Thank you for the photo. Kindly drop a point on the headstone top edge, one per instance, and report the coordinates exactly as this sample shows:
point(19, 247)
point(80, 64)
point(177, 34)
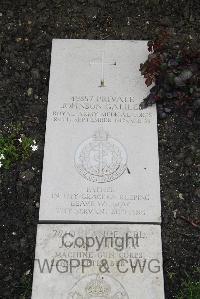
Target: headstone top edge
point(65, 40)
point(100, 224)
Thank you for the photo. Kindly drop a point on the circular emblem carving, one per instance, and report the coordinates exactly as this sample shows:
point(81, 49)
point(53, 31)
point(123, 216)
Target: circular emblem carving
point(101, 158)
point(98, 287)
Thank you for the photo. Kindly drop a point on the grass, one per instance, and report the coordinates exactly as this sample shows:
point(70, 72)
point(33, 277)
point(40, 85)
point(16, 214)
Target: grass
point(15, 146)
point(25, 287)
point(190, 288)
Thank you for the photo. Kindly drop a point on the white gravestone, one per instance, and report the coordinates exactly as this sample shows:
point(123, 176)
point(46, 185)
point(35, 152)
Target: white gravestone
point(97, 261)
point(101, 154)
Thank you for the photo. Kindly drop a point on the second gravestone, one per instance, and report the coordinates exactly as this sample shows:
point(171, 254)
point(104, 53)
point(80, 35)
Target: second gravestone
point(98, 261)
point(101, 155)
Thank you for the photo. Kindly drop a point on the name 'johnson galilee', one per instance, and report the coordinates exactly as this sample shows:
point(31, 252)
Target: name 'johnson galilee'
point(101, 102)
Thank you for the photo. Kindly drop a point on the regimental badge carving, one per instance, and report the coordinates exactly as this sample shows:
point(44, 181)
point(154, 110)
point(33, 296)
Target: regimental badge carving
point(101, 158)
point(98, 287)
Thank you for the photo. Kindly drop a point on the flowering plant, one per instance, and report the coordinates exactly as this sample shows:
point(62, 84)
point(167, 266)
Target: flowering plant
point(15, 146)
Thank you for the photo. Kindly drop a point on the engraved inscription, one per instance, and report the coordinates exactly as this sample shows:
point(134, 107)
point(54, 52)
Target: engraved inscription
point(101, 158)
point(98, 286)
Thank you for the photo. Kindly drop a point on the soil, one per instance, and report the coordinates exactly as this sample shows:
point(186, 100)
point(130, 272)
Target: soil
point(26, 32)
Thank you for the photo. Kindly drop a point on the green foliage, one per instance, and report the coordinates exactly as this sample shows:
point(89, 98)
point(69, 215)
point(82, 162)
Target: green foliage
point(15, 146)
point(25, 286)
point(190, 290)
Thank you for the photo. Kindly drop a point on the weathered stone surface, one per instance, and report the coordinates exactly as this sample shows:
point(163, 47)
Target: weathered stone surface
point(101, 156)
point(115, 261)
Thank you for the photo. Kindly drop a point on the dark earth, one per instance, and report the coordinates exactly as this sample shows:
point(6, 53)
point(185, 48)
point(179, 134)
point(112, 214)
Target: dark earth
point(26, 32)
